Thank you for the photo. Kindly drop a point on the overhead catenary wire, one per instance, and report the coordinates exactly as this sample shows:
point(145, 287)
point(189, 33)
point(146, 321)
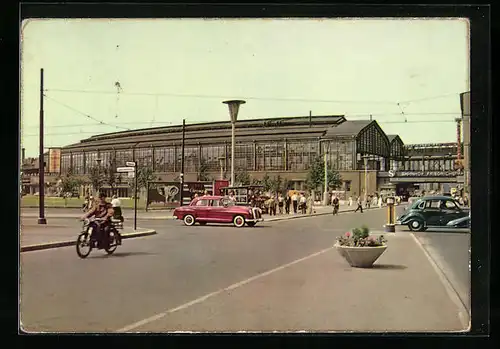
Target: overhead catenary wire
point(84, 114)
point(157, 94)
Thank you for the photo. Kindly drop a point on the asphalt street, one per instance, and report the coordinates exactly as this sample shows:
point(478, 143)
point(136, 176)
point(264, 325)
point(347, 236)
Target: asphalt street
point(62, 293)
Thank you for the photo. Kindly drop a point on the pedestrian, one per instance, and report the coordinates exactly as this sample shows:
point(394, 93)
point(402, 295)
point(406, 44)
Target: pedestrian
point(302, 203)
point(288, 202)
point(273, 205)
point(380, 202)
point(309, 204)
point(295, 202)
point(281, 203)
point(85, 203)
point(350, 201)
point(360, 204)
point(335, 204)
point(117, 208)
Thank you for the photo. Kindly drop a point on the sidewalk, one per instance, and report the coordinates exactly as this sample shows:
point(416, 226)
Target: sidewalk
point(168, 214)
point(35, 237)
point(322, 293)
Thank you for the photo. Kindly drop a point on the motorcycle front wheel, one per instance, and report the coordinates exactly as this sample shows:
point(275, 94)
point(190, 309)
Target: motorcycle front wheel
point(83, 245)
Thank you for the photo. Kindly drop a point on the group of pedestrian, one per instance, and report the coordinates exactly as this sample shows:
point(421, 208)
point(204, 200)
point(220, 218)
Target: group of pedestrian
point(290, 203)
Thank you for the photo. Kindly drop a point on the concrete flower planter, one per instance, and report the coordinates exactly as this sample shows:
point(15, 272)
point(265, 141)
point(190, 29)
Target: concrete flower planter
point(360, 257)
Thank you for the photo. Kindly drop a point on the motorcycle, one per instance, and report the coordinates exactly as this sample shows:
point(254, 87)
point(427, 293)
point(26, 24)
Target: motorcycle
point(86, 241)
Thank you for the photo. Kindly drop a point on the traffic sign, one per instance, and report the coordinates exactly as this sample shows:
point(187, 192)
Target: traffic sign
point(125, 169)
point(130, 163)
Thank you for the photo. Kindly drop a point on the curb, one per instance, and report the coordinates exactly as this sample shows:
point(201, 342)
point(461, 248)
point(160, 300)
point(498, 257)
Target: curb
point(463, 312)
point(49, 245)
point(314, 215)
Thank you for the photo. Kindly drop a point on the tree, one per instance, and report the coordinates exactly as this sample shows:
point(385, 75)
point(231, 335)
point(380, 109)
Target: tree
point(69, 183)
point(316, 175)
point(275, 184)
point(97, 177)
point(110, 174)
point(242, 176)
point(203, 172)
point(266, 182)
point(145, 174)
point(285, 186)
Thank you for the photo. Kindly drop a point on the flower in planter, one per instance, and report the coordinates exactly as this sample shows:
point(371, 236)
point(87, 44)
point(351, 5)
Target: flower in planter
point(360, 237)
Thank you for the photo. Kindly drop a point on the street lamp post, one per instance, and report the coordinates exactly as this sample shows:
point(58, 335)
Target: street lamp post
point(234, 106)
point(41, 162)
point(98, 175)
point(222, 160)
point(365, 159)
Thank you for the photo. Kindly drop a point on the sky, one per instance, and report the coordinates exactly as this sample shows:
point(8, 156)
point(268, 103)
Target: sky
point(104, 76)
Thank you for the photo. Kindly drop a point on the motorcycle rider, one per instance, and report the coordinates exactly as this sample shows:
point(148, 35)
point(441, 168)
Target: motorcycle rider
point(102, 210)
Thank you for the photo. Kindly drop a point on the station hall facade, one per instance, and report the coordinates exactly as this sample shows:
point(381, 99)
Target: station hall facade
point(284, 147)
point(274, 146)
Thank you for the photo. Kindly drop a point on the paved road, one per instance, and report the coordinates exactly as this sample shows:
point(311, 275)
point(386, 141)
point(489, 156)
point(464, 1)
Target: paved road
point(60, 292)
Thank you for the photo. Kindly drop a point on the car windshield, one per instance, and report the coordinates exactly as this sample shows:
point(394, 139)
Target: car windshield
point(417, 203)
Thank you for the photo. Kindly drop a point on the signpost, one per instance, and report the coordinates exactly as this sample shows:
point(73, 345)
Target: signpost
point(131, 169)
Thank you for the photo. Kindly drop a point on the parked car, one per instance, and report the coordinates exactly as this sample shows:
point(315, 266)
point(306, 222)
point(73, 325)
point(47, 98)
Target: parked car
point(431, 211)
point(218, 209)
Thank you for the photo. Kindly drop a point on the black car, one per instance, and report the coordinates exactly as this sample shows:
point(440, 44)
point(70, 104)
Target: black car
point(431, 211)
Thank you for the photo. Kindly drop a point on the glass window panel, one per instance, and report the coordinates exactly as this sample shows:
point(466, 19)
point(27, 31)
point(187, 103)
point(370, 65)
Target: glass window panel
point(190, 158)
point(122, 156)
point(243, 156)
point(144, 157)
point(211, 154)
point(65, 162)
point(105, 157)
point(78, 163)
point(90, 160)
point(301, 154)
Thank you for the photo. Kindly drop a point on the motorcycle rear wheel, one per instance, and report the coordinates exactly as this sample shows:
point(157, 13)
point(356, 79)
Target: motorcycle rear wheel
point(113, 242)
point(83, 241)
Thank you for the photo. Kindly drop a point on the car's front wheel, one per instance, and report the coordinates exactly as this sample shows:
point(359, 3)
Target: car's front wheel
point(416, 225)
point(189, 220)
point(238, 221)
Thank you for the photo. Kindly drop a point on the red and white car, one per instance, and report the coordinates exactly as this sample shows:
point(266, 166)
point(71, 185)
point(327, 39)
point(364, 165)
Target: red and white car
point(218, 209)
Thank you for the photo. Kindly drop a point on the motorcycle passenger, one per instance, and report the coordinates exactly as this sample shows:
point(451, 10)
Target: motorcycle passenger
point(103, 210)
point(116, 203)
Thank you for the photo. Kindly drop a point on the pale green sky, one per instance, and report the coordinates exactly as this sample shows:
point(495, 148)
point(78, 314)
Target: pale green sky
point(355, 67)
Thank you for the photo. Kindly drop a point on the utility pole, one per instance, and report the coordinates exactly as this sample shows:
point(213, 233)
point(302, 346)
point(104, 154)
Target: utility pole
point(41, 161)
point(325, 194)
point(182, 161)
point(135, 194)
point(310, 118)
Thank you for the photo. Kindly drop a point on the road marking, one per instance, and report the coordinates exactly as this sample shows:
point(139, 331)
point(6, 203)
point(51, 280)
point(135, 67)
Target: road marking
point(463, 313)
point(210, 295)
